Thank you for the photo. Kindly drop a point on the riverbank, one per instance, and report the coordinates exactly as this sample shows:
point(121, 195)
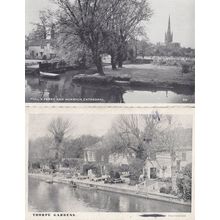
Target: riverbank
point(115, 188)
point(145, 75)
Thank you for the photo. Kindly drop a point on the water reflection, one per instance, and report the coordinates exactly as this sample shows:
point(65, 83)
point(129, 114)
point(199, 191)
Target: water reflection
point(44, 197)
point(156, 97)
point(63, 90)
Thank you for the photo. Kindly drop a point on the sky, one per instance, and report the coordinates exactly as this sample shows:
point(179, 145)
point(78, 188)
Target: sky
point(82, 124)
point(182, 14)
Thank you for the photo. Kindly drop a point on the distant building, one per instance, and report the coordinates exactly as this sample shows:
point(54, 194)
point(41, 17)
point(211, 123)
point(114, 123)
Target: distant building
point(41, 48)
point(168, 34)
point(169, 37)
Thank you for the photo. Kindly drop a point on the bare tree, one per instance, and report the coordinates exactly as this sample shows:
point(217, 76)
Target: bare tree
point(134, 134)
point(127, 24)
point(59, 128)
point(170, 140)
point(87, 20)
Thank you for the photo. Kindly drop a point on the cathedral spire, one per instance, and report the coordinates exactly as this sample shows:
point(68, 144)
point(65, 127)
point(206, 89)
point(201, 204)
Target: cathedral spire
point(168, 34)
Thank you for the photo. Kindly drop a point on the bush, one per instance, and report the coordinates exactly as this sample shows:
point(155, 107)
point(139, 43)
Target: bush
point(184, 183)
point(187, 67)
point(166, 190)
point(114, 174)
point(136, 168)
point(162, 190)
point(36, 165)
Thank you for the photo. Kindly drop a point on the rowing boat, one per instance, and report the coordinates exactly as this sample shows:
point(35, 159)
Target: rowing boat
point(49, 75)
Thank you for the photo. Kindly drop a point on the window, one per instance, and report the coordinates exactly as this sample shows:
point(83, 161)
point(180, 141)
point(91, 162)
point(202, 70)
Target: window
point(91, 156)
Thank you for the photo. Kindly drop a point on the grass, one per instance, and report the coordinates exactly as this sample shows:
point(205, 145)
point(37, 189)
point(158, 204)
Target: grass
point(153, 74)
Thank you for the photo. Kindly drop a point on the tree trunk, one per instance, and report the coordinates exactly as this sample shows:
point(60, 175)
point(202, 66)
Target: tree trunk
point(98, 62)
point(120, 57)
point(120, 62)
point(113, 61)
point(173, 172)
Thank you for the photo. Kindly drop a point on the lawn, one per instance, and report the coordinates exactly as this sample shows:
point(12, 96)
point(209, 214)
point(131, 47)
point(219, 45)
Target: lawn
point(153, 74)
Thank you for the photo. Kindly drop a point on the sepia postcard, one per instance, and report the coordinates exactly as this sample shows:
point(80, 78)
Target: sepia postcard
point(112, 163)
point(109, 51)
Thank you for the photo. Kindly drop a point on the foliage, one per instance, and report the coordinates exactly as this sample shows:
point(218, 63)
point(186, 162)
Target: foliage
point(184, 183)
point(100, 26)
point(72, 163)
point(73, 148)
point(143, 47)
point(36, 165)
point(125, 25)
point(39, 148)
point(70, 49)
point(136, 168)
point(165, 190)
point(118, 168)
point(187, 67)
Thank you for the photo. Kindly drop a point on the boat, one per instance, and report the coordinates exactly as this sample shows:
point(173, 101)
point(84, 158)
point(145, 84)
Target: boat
point(49, 75)
point(122, 82)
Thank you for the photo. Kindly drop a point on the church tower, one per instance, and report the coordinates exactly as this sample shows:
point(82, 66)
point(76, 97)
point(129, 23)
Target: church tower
point(168, 34)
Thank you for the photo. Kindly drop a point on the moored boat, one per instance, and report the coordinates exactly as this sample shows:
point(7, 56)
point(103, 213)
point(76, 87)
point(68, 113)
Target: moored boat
point(49, 75)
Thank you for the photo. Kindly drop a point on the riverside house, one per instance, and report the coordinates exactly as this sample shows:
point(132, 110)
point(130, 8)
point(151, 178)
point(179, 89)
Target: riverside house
point(98, 159)
point(40, 49)
point(95, 159)
point(161, 166)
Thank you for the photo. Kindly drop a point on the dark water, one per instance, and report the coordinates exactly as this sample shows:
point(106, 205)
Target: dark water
point(63, 90)
point(44, 197)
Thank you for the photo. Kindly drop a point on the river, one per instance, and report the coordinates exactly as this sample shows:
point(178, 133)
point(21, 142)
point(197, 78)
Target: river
point(63, 90)
point(57, 197)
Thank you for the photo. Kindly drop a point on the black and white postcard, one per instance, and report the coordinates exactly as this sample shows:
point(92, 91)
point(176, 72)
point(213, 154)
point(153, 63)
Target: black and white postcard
point(87, 163)
point(109, 51)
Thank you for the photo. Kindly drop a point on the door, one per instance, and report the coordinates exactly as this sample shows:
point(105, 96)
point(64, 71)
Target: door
point(153, 173)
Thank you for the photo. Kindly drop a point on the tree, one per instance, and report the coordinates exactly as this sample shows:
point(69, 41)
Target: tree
point(127, 137)
point(39, 148)
point(41, 28)
point(70, 49)
point(126, 25)
point(131, 17)
point(171, 139)
point(184, 183)
point(74, 148)
point(143, 45)
point(59, 128)
point(86, 19)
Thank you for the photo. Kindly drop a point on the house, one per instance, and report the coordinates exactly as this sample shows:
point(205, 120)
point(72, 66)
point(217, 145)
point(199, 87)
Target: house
point(95, 159)
point(98, 158)
point(161, 166)
point(95, 153)
point(118, 159)
point(41, 48)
